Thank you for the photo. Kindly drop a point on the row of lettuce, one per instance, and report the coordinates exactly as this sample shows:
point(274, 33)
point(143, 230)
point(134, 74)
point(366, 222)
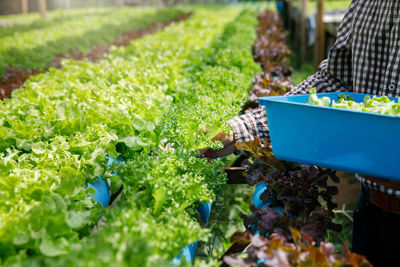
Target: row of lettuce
point(33, 46)
point(144, 102)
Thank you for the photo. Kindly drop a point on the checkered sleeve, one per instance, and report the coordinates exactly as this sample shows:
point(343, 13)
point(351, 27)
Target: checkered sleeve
point(250, 125)
point(323, 82)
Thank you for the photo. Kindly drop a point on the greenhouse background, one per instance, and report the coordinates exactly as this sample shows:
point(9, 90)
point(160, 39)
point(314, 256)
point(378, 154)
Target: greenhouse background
point(8, 7)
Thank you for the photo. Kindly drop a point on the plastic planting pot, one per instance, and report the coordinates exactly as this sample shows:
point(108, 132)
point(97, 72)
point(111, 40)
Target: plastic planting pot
point(110, 161)
point(187, 253)
point(102, 194)
point(354, 141)
point(101, 187)
point(280, 6)
point(204, 210)
point(258, 203)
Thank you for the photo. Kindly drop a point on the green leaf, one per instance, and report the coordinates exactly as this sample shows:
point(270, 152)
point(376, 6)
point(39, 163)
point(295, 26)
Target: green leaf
point(38, 148)
point(138, 123)
point(112, 152)
point(130, 141)
point(78, 219)
point(21, 238)
point(91, 190)
point(71, 181)
point(160, 198)
point(51, 249)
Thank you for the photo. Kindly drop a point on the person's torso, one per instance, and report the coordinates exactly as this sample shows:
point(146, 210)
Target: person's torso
point(375, 47)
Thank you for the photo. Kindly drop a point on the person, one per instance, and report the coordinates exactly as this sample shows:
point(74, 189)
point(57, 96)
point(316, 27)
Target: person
point(364, 59)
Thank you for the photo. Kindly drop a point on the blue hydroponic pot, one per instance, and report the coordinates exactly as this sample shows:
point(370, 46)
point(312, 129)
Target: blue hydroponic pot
point(280, 5)
point(188, 254)
point(110, 161)
point(204, 210)
point(340, 139)
point(258, 203)
point(189, 251)
point(102, 194)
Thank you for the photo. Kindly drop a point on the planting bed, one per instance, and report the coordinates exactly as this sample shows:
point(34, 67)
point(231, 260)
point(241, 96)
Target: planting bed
point(18, 64)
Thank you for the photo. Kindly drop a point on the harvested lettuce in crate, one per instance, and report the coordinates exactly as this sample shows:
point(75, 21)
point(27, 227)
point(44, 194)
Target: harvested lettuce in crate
point(376, 104)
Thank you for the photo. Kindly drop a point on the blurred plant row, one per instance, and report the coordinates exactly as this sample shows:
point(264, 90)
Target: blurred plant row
point(34, 46)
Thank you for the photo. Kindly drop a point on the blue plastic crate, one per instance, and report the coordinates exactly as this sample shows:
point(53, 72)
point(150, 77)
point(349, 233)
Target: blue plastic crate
point(358, 142)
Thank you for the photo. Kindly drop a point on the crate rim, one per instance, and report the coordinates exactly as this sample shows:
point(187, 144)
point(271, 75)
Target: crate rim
point(284, 100)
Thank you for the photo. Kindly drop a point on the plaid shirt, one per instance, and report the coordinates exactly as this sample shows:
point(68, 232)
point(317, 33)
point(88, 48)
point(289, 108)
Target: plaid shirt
point(364, 59)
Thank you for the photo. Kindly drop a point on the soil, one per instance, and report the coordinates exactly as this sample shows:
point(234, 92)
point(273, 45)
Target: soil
point(15, 78)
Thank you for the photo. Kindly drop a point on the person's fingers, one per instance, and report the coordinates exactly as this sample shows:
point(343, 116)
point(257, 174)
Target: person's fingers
point(212, 154)
point(228, 141)
point(203, 151)
point(220, 136)
point(226, 150)
point(224, 139)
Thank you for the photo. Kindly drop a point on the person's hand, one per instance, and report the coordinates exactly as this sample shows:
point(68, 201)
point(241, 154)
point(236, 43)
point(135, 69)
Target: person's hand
point(228, 141)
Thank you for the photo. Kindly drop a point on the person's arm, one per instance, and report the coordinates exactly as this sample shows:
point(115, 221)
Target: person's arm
point(334, 74)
